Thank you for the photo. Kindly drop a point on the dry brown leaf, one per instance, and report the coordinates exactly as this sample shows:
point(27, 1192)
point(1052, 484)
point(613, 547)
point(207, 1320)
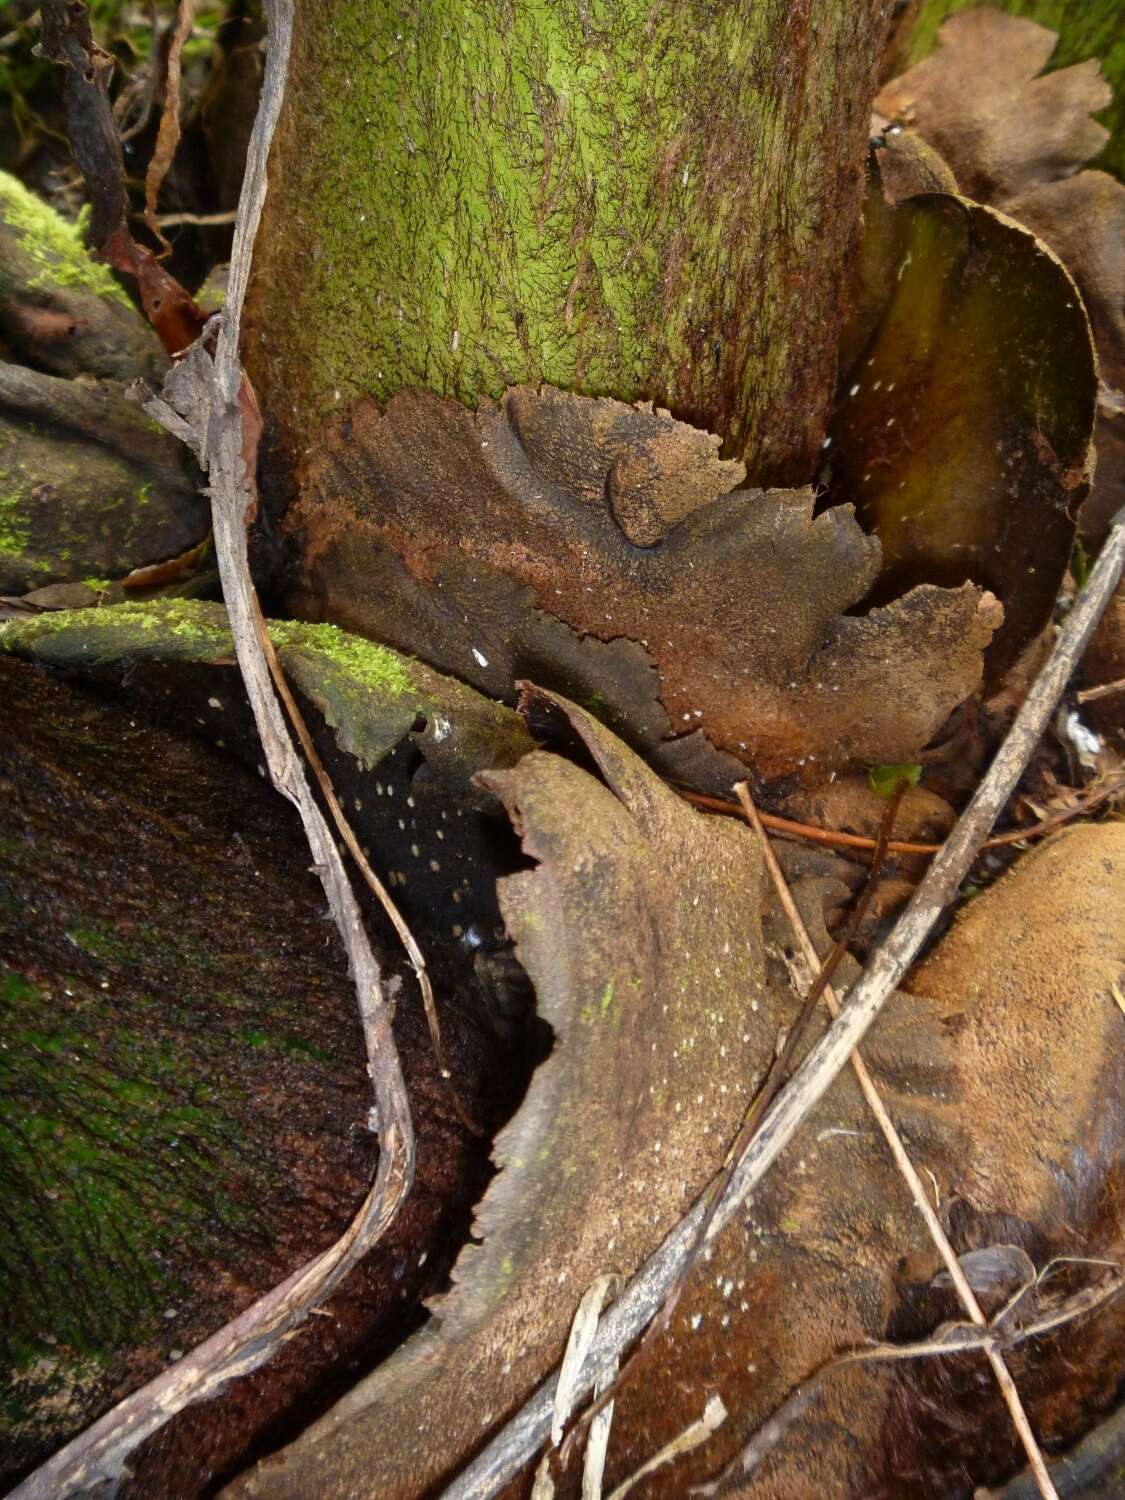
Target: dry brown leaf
point(492, 545)
point(830, 1251)
point(1082, 218)
point(1017, 141)
point(978, 100)
point(963, 431)
point(1034, 1062)
point(640, 927)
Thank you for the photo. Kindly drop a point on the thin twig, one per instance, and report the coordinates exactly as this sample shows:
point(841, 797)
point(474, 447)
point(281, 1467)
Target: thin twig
point(219, 419)
point(1103, 690)
point(582, 1329)
point(902, 1159)
point(714, 1415)
point(202, 221)
point(520, 1438)
point(379, 890)
point(1086, 802)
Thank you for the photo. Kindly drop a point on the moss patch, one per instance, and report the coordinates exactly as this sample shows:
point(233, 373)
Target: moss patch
point(53, 244)
point(638, 201)
point(15, 532)
point(69, 1141)
point(368, 664)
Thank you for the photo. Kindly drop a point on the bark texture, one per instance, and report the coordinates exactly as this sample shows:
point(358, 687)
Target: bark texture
point(638, 200)
point(182, 1083)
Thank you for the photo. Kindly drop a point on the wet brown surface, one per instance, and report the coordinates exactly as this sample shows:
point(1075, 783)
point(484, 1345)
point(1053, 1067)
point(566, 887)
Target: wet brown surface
point(155, 897)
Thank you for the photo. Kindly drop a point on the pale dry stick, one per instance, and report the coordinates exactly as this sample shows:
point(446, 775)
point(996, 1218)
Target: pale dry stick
point(211, 393)
point(379, 890)
point(202, 221)
point(699, 1431)
point(582, 1329)
point(520, 1438)
point(902, 1160)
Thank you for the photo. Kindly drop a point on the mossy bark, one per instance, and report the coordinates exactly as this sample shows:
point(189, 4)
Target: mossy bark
point(639, 200)
point(182, 1078)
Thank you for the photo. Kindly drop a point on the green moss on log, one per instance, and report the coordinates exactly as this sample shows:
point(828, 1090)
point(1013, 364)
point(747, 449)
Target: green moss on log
point(54, 244)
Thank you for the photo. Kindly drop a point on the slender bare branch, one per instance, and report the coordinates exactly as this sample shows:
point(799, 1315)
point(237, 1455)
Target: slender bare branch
point(1103, 690)
point(1086, 801)
point(376, 886)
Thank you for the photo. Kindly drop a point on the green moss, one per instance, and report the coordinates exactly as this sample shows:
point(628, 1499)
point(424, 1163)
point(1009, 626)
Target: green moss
point(14, 986)
point(591, 1013)
point(87, 1101)
point(15, 532)
point(564, 193)
point(203, 632)
point(366, 663)
point(295, 1046)
point(54, 245)
point(99, 941)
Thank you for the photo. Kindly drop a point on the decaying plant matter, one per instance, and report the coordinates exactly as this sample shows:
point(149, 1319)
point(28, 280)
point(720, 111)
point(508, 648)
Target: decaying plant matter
point(573, 597)
point(592, 542)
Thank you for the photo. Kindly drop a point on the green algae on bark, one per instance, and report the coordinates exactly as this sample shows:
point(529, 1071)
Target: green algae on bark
point(88, 483)
point(370, 695)
point(401, 742)
point(640, 201)
point(59, 308)
point(157, 1168)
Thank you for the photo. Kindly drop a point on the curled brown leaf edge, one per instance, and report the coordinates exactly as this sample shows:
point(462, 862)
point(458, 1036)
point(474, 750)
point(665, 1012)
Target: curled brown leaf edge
point(519, 1439)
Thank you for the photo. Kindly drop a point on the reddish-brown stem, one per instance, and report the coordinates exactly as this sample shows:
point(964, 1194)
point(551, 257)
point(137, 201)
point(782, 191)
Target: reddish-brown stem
point(860, 841)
